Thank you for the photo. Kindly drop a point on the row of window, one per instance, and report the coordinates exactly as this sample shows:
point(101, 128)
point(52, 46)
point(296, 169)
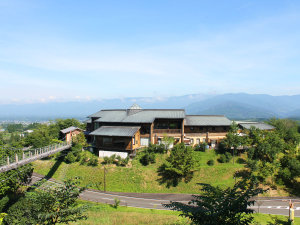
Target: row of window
point(198, 141)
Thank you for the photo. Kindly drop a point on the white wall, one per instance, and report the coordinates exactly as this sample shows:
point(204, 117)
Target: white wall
point(110, 153)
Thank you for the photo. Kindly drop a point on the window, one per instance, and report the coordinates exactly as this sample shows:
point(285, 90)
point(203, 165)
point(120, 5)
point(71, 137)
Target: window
point(107, 140)
point(192, 128)
point(198, 141)
point(213, 128)
point(192, 141)
point(133, 140)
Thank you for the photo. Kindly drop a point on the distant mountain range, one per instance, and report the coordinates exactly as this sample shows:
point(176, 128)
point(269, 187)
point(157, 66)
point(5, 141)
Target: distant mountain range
point(235, 106)
point(248, 106)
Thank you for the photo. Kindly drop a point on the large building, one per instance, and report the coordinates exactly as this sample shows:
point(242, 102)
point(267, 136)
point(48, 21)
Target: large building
point(125, 130)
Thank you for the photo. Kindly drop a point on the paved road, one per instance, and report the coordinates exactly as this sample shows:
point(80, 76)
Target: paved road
point(278, 206)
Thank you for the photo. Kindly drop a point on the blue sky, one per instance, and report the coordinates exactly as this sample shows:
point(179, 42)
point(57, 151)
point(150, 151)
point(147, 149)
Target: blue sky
point(59, 50)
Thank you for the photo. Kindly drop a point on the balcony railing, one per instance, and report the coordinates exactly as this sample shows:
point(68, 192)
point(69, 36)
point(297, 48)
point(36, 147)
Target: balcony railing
point(166, 131)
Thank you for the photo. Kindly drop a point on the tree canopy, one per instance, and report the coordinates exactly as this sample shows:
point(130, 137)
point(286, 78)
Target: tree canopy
point(220, 206)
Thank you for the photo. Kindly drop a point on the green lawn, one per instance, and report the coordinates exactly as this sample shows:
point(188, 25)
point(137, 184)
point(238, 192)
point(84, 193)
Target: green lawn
point(99, 213)
point(139, 178)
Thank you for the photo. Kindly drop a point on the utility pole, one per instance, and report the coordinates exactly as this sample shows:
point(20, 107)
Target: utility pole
point(233, 155)
point(104, 179)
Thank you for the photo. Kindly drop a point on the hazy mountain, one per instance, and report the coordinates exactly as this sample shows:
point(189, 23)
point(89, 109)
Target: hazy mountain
point(235, 110)
point(234, 106)
point(245, 106)
point(81, 109)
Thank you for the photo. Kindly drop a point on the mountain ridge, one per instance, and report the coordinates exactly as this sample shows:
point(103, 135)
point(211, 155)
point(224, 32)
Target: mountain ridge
point(232, 105)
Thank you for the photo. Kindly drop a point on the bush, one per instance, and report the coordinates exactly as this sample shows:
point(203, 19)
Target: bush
point(83, 158)
point(228, 156)
point(201, 147)
point(125, 161)
point(70, 158)
point(241, 161)
point(161, 149)
point(225, 158)
point(117, 160)
point(222, 159)
point(93, 161)
point(221, 148)
point(210, 162)
point(106, 160)
point(147, 158)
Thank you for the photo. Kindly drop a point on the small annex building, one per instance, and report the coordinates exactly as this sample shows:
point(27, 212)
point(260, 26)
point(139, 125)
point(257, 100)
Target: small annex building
point(70, 132)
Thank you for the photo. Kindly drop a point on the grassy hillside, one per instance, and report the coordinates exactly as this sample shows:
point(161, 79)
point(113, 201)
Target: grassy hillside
point(139, 178)
point(144, 179)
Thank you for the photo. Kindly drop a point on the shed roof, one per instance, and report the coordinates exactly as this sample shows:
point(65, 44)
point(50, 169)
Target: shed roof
point(121, 131)
point(69, 129)
point(258, 125)
point(206, 120)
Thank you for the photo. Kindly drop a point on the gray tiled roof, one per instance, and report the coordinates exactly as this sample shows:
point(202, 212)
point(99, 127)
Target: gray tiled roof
point(116, 131)
point(88, 120)
point(142, 116)
point(69, 129)
point(199, 120)
point(261, 126)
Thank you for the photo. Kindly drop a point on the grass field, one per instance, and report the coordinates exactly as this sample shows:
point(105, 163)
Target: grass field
point(139, 178)
point(105, 214)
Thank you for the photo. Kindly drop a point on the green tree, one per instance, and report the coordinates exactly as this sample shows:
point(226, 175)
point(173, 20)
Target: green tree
point(49, 205)
point(263, 155)
point(288, 131)
point(80, 139)
point(179, 165)
point(65, 123)
point(167, 141)
point(15, 127)
point(220, 206)
point(233, 140)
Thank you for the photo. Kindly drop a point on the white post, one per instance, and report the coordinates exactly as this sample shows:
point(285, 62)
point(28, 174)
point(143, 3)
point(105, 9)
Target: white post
point(16, 158)
point(23, 155)
point(7, 160)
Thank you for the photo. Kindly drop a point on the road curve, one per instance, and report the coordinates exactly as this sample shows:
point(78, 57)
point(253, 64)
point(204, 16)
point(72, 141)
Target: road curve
point(276, 206)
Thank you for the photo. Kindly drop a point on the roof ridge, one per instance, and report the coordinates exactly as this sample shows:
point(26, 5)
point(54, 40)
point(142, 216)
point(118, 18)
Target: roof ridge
point(208, 115)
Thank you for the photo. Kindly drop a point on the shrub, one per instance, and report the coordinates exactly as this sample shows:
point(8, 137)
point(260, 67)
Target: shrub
point(125, 161)
point(228, 156)
point(147, 158)
point(116, 203)
point(161, 149)
point(93, 161)
point(241, 161)
point(221, 148)
point(83, 158)
point(201, 147)
point(117, 160)
point(222, 159)
point(70, 158)
point(210, 162)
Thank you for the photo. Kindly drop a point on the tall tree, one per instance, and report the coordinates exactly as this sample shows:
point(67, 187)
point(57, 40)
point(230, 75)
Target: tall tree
point(180, 164)
point(220, 206)
point(233, 140)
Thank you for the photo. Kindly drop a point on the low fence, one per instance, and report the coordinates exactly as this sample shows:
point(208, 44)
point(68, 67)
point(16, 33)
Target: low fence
point(24, 157)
